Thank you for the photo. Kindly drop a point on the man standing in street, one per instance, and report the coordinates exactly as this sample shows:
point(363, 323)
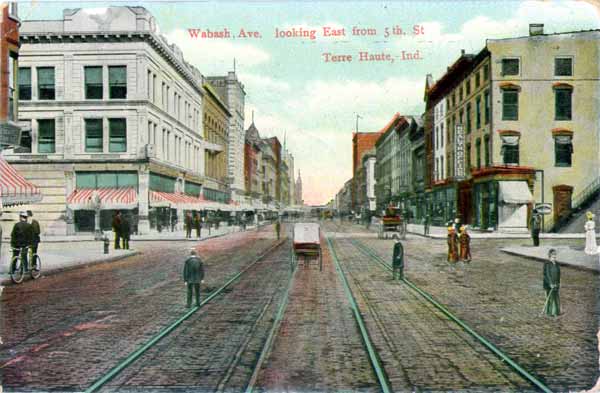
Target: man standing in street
point(536, 220)
point(35, 228)
point(426, 226)
point(21, 235)
point(125, 231)
point(193, 276)
point(278, 228)
point(188, 225)
point(398, 259)
point(116, 227)
point(552, 285)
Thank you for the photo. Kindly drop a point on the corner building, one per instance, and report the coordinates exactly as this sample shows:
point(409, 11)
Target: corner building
point(115, 119)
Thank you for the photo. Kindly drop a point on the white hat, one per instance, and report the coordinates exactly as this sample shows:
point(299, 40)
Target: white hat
point(22, 214)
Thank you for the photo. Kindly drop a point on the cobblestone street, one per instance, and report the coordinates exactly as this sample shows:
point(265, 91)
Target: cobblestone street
point(500, 296)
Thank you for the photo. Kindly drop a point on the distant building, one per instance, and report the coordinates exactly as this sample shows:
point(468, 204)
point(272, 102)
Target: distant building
point(299, 201)
point(253, 175)
point(361, 143)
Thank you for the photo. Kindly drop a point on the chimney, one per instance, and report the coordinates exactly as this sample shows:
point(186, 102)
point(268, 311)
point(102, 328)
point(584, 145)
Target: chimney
point(429, 80)
point(536, 29)
point(462, 52)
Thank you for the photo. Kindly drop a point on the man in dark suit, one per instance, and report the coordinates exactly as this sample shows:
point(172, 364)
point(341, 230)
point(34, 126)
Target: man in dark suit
point(125, 231)
point(116, 227)
point(398, 259)
point(193, 276)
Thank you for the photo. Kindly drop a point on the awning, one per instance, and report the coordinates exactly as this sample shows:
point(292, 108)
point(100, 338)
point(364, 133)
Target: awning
point(14, 189)
point(105, 198)
point(516, 192)
point(176, 200)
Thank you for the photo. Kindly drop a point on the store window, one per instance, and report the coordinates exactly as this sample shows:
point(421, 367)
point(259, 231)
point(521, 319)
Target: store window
point(510, 150)
point(46, 89)
point(24, 83)
point(97, 180)
point(46, 136)
point(563, 150)
point(117, 138)
point(162, 183)
point(93, 136)
point(93, 83)
point(117, 82)
point(193, 189)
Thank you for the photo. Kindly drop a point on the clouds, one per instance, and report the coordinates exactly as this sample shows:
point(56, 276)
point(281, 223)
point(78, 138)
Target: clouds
point(213, 56)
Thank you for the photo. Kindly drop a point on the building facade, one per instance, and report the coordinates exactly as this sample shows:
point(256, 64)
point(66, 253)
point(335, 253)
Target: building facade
point(216, 125)
point(361, 143)
point(387, 166)
point(253, 175)
point(9, 53)
point(232, 91)
point(116, 120)
point(299, 199)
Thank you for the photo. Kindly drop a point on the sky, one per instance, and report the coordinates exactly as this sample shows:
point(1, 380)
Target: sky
point(295, 92)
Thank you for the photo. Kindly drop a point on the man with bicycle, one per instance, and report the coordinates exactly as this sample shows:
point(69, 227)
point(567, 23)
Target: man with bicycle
point(35, 228)
point(21, 236)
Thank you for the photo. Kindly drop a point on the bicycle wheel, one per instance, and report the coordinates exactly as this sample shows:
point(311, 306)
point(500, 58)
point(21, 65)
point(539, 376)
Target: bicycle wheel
point(17, 270)
point(36, 268)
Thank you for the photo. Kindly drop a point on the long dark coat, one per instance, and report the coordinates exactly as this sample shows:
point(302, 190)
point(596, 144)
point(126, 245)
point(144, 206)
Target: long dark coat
point(398, 256)
point(193, 270)
point(552, 286)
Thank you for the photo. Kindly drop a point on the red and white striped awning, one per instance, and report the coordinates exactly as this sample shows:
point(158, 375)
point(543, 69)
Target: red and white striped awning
point(14, 189)
point(174, 199)
point(104, 198)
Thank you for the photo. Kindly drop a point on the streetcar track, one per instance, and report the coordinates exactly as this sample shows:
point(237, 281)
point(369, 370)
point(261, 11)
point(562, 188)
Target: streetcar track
point(518, 369)
point(131, 358)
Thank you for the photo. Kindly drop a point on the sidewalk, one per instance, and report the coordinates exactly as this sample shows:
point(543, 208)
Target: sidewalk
point(566, 255)
point(84, 250)
point(436, 232)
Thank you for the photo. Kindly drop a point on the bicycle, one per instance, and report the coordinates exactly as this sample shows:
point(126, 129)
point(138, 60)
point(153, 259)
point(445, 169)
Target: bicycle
point(19, 265)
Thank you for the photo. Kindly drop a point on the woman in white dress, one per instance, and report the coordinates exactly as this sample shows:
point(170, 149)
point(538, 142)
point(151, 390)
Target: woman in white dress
point(591, 248)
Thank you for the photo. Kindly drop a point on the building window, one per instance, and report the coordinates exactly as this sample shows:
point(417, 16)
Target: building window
point(486, 149)
point(46, 136)
point(486, 104)
point(25, 83)
point(563, 149)
point(12, 86)
point(477, 79)
point(93, 135)
point(510, 105)
point(117, 139)
point(563, 104)
point(468, 154)
point(25, 143)
point(460, 94)
point(468, 117)
point(468, 87)
point(478, 112)
point(510, 66)
point(45, 81)
point(478, 152)
point(510, 150)
point(486, 72)
point(106, 180)
point(117, 82)
point(563, 66)
point(93, 83)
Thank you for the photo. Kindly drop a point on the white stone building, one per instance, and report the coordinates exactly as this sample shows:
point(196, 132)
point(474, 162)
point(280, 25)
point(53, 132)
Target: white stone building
point(439, 141)
point(114, 114)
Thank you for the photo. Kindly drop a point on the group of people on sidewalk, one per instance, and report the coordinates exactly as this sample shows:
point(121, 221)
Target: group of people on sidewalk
point(193, 222)
point(122, 228)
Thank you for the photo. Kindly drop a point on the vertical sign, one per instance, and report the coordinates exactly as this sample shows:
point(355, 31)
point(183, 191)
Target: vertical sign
point(459, 152)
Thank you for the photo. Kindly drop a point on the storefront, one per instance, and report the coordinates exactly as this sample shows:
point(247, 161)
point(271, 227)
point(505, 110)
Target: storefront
point(443, 205)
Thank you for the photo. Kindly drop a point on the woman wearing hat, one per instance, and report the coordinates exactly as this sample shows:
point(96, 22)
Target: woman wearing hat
point(452, 245)
point(465, 244)
point(591, 247)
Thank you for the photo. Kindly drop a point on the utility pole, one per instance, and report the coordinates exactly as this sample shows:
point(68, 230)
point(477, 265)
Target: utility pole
point(357, 117)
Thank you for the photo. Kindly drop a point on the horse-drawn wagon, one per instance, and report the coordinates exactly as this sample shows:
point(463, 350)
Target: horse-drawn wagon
point(307, 244)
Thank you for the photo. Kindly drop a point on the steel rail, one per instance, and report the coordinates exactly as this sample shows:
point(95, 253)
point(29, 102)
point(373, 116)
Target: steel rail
point(163, 333)
point(379, 371)
point(529, 377)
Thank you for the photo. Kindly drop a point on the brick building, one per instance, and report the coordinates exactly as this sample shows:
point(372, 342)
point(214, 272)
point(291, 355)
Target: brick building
point(362, 142)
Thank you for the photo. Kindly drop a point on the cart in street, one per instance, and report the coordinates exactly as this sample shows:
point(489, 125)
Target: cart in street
point(307, 244)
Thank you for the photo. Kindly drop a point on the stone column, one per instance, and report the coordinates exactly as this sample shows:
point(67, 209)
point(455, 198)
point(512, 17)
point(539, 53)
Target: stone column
point(143, 199)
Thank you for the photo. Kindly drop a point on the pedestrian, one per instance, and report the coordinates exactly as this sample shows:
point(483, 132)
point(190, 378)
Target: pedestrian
point(217, 219)
point(35, 228)
point(188, 225)
point(198, 224)
point(591, 247)
point(398, 259)
point(243, 221)
point(452, 245)
point(193, 276)
point(426, 226)
point(116, 227)
point(278, 229)
point(125, 231)
point(21, 236)
point(552, 284)
point(465, 244)
point(536, 221)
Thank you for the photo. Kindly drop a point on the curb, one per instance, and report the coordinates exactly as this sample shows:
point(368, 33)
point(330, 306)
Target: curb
point(74, 267)
point(540, 259)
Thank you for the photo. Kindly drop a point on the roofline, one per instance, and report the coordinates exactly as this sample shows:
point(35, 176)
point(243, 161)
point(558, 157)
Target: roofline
point(544, 35)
